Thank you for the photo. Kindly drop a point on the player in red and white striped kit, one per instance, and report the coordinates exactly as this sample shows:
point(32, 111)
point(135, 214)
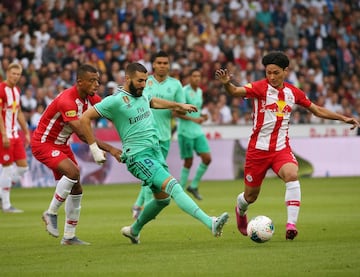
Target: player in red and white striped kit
point(273, 100)
point(11, 145)
point(50, 146)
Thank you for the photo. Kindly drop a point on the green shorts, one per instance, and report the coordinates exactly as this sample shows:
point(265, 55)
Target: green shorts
point(165, 147)
point(188, 146)
point(150, 167)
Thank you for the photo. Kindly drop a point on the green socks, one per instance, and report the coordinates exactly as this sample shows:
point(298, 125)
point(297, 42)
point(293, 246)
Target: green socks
point(151, 210)
point(199, 173)
point(184, 176)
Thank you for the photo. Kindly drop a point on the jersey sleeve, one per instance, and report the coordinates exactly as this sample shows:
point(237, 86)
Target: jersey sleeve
point(301, 98)
point(94, 99)
point(105, 107)
point(255, 89)
point(180, 94)
point(68, 109)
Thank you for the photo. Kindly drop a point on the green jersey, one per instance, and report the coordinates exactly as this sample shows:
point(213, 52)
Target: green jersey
point(169, 89)
point(189, 128)
point(132, 118)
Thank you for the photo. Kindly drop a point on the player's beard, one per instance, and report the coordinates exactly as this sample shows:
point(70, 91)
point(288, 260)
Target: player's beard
point(134, 91)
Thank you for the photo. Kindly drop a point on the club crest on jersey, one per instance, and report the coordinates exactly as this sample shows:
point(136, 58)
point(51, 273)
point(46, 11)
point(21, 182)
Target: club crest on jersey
point(126, 99)
point(71, 113)
point(249, 85)
point(55, 153)
point(249, 178)
point(6, 157)
point(149, 83)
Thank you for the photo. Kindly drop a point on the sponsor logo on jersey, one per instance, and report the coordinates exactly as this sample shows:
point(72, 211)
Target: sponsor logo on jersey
point(14, 105)
point(280, 108)
point(71, 113)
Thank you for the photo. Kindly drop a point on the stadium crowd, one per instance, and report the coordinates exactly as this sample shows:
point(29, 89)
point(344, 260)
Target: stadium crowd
point(52, 38)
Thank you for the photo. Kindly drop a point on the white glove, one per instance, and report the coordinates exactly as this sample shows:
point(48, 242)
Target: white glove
point(97, 153)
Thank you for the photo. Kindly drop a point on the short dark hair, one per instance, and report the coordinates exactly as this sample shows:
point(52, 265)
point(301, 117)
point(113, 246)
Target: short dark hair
point(278, 58)
point(135, 67)
point(160, 54)
point(85, 68)
point(194, 70)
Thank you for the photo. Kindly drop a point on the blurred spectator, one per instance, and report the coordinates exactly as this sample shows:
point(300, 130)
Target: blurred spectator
point(35, 117)
point(224, 109)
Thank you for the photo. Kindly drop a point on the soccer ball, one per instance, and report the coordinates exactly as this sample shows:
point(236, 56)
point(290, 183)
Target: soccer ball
point(260, 229)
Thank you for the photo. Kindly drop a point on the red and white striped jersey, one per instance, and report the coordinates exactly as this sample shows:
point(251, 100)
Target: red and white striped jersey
point(271, 113)
point(10, 104)
point(66, 107)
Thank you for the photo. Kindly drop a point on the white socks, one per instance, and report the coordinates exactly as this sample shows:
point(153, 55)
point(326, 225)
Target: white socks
point(62, 191)
point(72, 212)
point(292, 201)
point(5, 186)
point(242, 204)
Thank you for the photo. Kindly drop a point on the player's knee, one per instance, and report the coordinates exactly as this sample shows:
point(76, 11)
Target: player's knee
point(206, 160)
point(73, 174)
point(20, 170)
point(163, 202)
point(251, 196)
point(188, 163)
point(290, 176)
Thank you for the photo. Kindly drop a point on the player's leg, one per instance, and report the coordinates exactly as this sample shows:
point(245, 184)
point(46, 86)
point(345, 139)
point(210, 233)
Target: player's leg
point(72, 215)
point(139, 202)
point(146, 195)
point(7, 157)
point(21, 165)
point(286, 166)
point(186, 154)
point(18, 172)
point(184, 202)
point(150, 211)
point(184, 174)
point(256, 166)
point(201, 146)
point(163, 184)
point(5, 187)
point(67, 174)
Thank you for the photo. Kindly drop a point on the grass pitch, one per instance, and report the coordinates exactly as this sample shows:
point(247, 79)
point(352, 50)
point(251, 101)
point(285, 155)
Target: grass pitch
point(174, 244)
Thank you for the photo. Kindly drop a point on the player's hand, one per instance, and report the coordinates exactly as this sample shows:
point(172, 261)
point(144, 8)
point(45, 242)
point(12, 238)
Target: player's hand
point(223, 76)
point(97, 153)
point(184, 108)
point(116, 153)
point(5, 141)
point(353, 121)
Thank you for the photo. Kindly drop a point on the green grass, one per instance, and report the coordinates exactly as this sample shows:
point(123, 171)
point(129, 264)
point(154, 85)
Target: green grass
point(175, 244)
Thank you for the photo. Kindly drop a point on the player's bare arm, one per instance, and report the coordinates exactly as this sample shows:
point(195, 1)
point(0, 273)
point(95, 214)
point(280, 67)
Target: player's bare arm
point(157, 103)
point(224, 77)
point(197, 120)
point(327, 114)
point(23, 125)
point(85, 133)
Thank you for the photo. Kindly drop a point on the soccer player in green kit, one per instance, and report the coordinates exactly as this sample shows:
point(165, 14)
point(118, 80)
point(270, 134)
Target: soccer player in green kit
point(191, 137)
point(131, 113)
point(160, 85)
